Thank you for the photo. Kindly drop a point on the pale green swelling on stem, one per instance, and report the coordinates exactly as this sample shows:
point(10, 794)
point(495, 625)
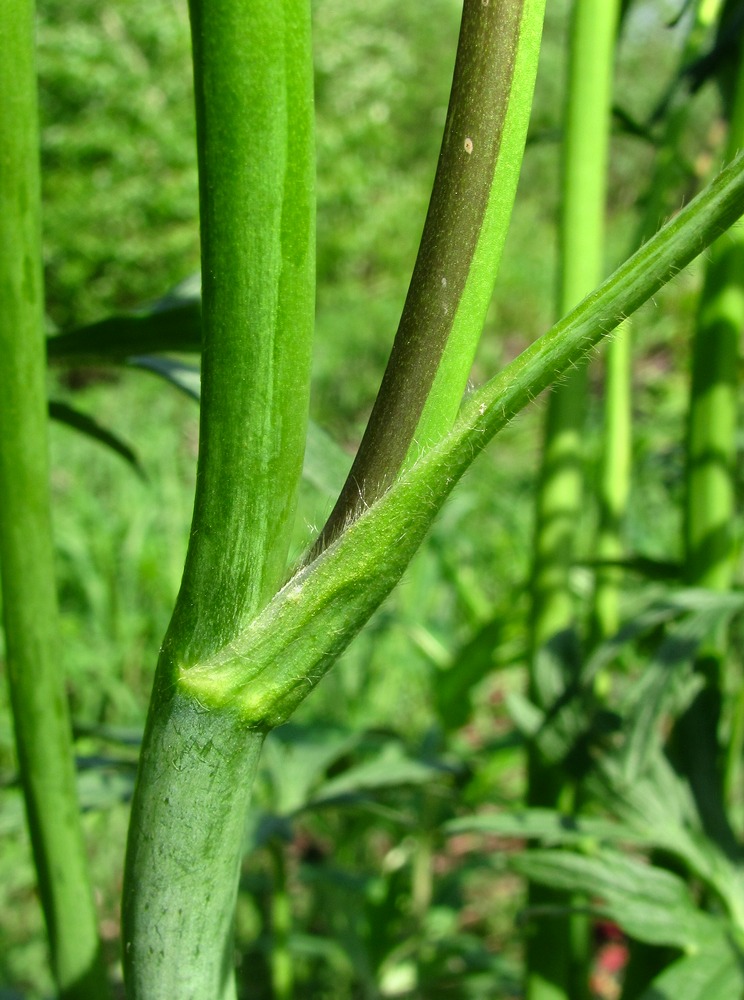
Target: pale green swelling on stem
point(278, 658)
point(254, 103)
point(581, 250)
point(203, 743)
point(460, 251)
point(42, 725)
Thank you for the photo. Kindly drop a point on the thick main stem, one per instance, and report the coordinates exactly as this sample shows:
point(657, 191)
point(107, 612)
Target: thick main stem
point(710, 545)
point(42, 725)
point(254, 110)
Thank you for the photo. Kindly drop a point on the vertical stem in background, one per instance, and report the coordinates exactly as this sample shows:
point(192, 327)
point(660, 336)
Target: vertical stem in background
point(42, 725)
point(256, 151)
point(282, 973)
point(614, 482)
point(460, 251)
point(559, 503)
point(710, 501)
point(255, 135)
point(615, 462)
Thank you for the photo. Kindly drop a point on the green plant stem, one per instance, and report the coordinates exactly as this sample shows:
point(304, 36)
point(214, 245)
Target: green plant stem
point(586, 137)
point(208, 718)
point(711, 445)
point(254, 105)
point(272, 664)
point(554, 966)
point(460, 249)
point(614, 483)
point(282, 976)
point(255, 139)
point(615, 462)
point(710, 501)
point(42, 726)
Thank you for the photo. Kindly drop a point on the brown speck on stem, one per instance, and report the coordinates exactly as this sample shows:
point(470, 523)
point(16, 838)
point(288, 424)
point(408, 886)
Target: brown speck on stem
point(468, 146)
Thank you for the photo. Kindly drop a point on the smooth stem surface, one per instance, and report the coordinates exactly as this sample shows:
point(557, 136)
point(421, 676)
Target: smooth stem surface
point(254, 104)
point(255, 137)
point(282, 972)
point(550, 967)
point(614, 483)
point(710, 499)
point(460, 249)
point(42, 725)
point(615, 461)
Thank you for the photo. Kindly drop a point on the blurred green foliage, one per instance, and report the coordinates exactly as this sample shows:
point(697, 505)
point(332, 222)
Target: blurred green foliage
point(121, 228)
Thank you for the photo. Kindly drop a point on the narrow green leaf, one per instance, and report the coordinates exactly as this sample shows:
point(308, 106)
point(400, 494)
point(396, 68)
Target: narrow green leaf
point(550, 827)
point(295, 760)
point(659, 805)
point(453, 685)
point(667, 677)
point(392, 768)
point(175, 326)
point(66, 414)
point(181, 374)
point(650, 904)
point(648, 827)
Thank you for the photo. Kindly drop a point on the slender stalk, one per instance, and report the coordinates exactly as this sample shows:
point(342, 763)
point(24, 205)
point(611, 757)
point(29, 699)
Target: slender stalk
point(615, 462)
point(254, 104)
point(460, 249)
point(42, 725)
point(552, 962)
point(614, 483)
point(711, 445)
point(253, 84)
point(282, 975)
point(200, 751)
point(710, 500)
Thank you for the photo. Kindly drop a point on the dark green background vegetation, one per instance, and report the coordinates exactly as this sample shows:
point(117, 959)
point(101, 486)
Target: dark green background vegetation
point(120, 225)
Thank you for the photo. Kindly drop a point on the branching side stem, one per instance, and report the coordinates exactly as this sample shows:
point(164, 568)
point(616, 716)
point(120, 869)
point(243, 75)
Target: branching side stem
point(460, 248)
